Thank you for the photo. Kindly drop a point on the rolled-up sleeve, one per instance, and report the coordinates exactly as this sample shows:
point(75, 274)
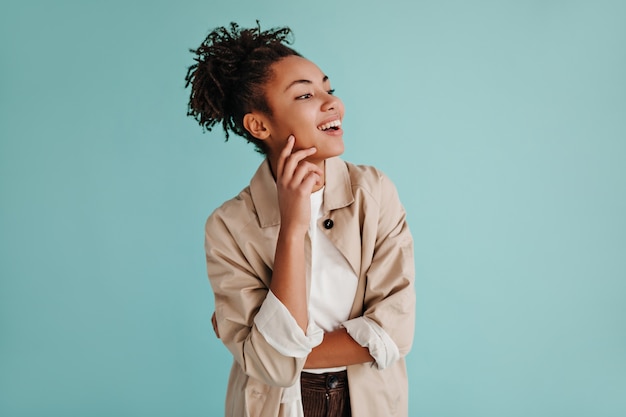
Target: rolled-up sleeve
point(369, 334)
point(281, 330)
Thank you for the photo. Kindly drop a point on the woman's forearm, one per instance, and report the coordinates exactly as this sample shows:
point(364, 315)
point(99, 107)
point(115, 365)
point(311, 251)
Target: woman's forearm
point(289, 275)
point(337, 349)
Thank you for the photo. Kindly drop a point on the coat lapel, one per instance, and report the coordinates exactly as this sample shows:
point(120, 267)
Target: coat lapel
point(345, 232)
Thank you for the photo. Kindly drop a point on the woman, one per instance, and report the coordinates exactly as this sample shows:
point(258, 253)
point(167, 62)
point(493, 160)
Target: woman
point(312, 263)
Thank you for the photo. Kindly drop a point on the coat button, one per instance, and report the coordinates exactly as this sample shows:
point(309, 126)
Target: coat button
point(328, 224)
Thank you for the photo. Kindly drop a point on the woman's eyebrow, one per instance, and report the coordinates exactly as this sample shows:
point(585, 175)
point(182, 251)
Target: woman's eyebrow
point(324, 79)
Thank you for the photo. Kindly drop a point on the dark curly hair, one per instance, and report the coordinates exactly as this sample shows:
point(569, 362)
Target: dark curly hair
point(232, 66)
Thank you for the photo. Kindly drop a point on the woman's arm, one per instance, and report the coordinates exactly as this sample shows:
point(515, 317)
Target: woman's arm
point(295, 180)
point(237, 275)
point(337, 349)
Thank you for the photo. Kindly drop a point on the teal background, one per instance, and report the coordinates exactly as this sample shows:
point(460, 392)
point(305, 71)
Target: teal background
point(502, 123)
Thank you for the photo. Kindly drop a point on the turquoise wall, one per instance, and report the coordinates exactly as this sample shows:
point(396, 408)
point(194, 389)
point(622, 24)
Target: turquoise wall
point(503, 124)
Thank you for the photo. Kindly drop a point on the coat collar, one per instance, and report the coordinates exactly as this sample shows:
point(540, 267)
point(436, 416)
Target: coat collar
point(337, 191)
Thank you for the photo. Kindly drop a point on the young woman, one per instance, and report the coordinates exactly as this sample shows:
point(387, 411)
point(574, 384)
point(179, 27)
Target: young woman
point(312, 263)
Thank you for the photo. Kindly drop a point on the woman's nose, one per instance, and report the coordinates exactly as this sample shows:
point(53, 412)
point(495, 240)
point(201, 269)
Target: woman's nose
point(330, 103)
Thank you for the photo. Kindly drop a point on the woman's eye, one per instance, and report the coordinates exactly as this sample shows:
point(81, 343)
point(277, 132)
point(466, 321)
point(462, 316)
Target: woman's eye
point(304, 96)
point(331, 91)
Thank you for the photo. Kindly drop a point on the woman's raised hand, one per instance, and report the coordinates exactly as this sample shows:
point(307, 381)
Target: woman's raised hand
point(295, 180)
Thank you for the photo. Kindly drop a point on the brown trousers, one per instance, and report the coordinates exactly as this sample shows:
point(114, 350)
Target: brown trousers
point(325, 395)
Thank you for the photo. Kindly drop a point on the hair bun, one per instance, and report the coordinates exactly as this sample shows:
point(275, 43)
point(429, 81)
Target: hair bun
point(232, 65)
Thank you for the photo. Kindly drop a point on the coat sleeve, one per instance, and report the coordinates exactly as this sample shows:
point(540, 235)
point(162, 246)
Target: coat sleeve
point(239, 293)
point(390, 294)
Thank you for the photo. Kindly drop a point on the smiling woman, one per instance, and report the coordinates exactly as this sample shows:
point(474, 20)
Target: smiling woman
point(312, 263)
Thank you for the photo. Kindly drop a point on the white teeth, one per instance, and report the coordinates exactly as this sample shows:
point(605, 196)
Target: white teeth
point(326, 126)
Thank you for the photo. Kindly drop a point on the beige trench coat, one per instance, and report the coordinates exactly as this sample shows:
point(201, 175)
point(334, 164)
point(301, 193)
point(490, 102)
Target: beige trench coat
point(369, 229)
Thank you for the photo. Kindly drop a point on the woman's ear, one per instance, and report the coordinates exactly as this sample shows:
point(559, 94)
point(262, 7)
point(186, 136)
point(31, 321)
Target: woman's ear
point(256, 125)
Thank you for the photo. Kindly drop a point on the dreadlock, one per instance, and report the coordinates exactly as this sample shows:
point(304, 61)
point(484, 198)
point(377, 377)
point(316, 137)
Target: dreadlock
point(232, 66)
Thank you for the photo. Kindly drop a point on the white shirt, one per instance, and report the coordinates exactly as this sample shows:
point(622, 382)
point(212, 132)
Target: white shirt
point(333, 282)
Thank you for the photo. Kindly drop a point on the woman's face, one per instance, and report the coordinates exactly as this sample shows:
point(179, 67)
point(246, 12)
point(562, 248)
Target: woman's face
point(302, 104)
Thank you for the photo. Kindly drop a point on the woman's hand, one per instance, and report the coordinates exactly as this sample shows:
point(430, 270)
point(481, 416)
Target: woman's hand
point(295, 180)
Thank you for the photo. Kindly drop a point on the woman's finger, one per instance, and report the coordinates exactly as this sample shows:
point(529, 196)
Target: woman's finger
point(293, 161)
point(284, 154)
point(302, 171)
point(309, 181)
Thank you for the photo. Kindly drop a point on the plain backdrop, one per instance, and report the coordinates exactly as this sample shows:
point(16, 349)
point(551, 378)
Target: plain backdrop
point(502, 123)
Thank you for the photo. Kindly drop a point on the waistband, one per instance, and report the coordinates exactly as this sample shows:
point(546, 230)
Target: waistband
point(325, 382)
